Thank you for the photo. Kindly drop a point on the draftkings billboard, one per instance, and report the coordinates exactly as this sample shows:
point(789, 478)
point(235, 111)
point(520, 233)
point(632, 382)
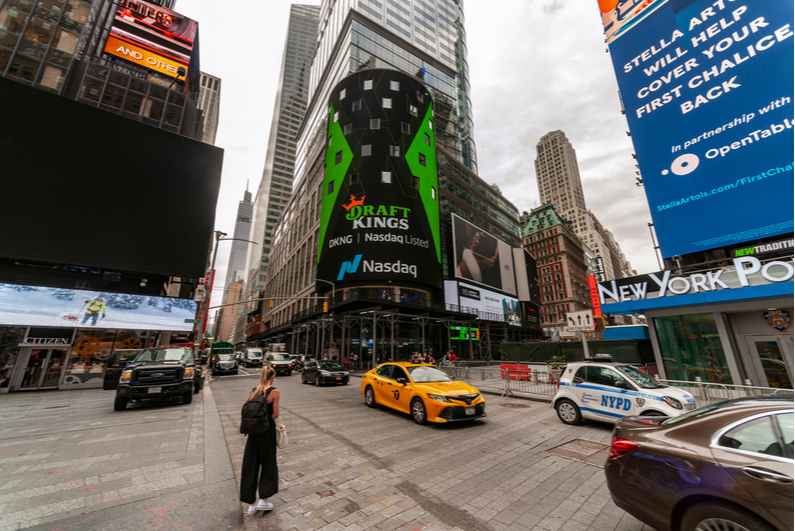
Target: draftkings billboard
point(152, 36)
point(707, 90)
point(380, 203)
point(482, 258)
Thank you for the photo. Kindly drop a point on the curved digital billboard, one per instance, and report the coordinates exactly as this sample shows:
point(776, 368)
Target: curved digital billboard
point(380, 206)
point(707, 90)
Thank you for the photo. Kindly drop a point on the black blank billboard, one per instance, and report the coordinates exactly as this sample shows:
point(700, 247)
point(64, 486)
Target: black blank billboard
point(87, 187)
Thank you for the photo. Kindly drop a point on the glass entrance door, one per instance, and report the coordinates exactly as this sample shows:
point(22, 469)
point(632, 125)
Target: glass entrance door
point(43, 370)
point(772, 359)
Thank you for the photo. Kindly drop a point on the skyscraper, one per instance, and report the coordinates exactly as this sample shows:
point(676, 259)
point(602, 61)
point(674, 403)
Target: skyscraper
point(291, 101)
point(559, 184)
point(237, 257)
point(210, 104)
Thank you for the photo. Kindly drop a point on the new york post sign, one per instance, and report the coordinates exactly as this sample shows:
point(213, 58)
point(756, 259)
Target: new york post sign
point(707, 87)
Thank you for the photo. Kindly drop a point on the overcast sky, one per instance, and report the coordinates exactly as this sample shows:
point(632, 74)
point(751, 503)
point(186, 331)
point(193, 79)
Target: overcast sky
point(535, 67)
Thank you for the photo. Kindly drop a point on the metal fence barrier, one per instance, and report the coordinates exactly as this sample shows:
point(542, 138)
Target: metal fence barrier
point(537, 381)
point(707, 393)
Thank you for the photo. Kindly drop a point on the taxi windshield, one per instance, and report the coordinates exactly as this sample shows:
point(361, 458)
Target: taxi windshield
point(639, 378)
point(425, 374)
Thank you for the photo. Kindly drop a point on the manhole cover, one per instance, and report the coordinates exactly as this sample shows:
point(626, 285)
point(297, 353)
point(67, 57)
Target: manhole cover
point(515, 406)
point(325, 493)
point(590, 452)
point(345, 400)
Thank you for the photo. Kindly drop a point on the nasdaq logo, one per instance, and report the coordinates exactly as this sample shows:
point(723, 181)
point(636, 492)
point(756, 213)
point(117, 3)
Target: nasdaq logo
point(349, 267)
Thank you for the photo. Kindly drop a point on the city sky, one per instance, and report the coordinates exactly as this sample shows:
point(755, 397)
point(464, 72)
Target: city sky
point(535, 67)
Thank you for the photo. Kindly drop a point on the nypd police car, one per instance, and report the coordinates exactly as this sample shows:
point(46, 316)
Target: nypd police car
point(600, 389)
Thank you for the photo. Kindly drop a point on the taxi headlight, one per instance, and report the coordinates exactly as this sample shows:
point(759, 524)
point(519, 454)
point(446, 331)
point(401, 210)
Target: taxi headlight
point(440, 398)
point(125, 377)
point(673, 402)
point(188, 374)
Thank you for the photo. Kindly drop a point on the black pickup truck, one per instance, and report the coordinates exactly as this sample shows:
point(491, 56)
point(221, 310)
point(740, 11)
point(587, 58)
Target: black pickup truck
point(159, 373)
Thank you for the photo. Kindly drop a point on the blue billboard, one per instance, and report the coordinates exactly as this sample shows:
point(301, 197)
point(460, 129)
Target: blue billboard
point(707, 87)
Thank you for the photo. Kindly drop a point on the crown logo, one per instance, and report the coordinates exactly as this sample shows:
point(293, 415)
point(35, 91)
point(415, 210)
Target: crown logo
point(354, 202)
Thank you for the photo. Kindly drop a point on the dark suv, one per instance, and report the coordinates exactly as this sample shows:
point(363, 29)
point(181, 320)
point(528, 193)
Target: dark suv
point(159, 373)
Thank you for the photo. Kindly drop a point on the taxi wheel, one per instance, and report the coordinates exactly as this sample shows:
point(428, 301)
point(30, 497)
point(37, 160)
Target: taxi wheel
point(568, 412)
point(418, 411)
point(369, 397)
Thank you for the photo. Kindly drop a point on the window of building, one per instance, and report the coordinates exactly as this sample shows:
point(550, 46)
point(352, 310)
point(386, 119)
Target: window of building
point(394, 151)
point(420, 96)
point(342, 94)
point(433, 192)
point(387, 103)
point(413, 110)
point(354, 178)
point(427, 139)
point(386, 177)
point(330, 187)
point(422, 159)
point(347, 129)
point(368, 84)
point(366, 150)
point(329, 141)
point(336, 116)
point(357, 105)
point(394, 85)
point(415, 182)
point(375, 123)
point(338, 157)
point(405, 128)
point(430, 125)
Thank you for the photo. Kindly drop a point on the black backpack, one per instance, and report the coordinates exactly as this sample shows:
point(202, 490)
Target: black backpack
point(254, 418)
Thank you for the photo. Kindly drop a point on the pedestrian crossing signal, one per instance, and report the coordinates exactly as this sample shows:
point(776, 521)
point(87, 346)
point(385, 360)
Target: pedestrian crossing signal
point(599, 323)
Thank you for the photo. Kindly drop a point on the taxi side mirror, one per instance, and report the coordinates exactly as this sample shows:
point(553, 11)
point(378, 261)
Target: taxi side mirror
point(402, 380)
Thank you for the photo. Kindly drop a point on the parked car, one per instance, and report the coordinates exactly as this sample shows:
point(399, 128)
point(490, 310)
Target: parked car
point(252, 357)
point(725, 466)
point(118, 360)
point(600, 389)
point(324, 372)
point(225, 364)
point(301, 360)
point(423, 391)
point(163, 372)
point(239, 355)
point(280, 362)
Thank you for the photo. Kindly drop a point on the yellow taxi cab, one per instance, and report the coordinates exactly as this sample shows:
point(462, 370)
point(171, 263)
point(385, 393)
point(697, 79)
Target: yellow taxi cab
point(423, 391)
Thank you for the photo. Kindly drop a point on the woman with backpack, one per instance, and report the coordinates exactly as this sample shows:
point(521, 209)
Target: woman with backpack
point(259, 468)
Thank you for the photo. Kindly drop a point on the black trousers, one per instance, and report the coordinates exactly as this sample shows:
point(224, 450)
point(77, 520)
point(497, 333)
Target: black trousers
point(259, 467)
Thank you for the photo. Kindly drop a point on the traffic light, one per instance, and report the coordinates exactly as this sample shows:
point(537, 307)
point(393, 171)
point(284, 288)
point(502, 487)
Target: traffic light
point(270, 303)
point(325, 307)
point(598, 323)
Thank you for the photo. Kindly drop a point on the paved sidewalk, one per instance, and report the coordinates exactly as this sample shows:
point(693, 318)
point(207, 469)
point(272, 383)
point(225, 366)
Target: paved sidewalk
point(69, 462)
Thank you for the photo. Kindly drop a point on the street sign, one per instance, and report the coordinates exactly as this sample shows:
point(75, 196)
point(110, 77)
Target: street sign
point(194, 321)
point(580, 321)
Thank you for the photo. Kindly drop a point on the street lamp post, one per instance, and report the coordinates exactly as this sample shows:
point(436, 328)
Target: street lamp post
point(219, 237)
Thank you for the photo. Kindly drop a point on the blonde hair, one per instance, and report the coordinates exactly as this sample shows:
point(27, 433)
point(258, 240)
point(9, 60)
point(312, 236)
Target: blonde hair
point(266, 377)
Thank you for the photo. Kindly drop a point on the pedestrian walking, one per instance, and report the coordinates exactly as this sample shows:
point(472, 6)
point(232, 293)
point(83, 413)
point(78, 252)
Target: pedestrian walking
point(259, 470)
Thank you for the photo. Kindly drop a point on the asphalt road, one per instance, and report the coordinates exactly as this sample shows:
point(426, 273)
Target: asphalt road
point(69, 462)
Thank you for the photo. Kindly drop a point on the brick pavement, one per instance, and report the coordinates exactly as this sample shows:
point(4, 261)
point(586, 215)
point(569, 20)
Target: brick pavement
point(352, 468)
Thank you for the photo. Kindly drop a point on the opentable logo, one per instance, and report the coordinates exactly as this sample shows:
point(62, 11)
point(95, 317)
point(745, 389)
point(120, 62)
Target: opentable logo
point(349, 267)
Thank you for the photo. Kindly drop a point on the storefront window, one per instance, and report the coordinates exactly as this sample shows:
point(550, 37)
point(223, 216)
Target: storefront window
point(690, 347)
point(10, 338)
point(90, 353)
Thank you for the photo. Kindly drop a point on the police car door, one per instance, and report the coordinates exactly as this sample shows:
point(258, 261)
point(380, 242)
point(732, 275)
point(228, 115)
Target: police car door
point(610, 402)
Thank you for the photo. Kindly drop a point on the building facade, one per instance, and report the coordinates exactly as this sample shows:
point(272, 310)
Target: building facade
point(228, 314)
point(276, 185)
point(559, 184)
point(563, 263)
point(210, 105)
